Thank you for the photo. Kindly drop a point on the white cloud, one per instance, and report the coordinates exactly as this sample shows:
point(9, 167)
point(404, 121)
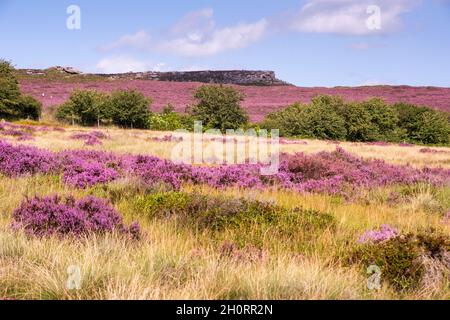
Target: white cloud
point(349, 17)
point(203, 42)
point(124, 63)
point(139, 40)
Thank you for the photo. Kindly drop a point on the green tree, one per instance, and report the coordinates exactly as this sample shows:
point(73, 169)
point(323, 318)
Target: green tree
point(219, 107)
point(384, 119)
point(86, 107)
point(322, 120)
point(130, 109)
point(29, 107)
point(9, 91)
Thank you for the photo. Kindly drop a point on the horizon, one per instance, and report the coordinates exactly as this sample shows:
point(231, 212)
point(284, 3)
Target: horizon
point(310, 43)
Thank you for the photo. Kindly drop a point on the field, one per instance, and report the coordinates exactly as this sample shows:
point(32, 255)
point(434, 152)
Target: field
point(297, 240)
point(259, 100)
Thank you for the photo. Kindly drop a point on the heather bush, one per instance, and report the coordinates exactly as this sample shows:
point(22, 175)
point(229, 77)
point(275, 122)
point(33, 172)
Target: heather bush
point(400, 257)
point(55, 215)
point(219, 107)
point(83, 169)
point(23, 160)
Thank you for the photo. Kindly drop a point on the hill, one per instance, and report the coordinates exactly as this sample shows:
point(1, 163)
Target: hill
point(53, 87)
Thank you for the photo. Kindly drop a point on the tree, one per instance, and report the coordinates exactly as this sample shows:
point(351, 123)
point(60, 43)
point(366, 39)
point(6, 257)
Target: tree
point(13, 105)
point(384, 119)
point(321, 119)
point(219, 107)
point(129, 108)
point(86, 107)
point(9, 91)
point(358, 122)
point(29, 107)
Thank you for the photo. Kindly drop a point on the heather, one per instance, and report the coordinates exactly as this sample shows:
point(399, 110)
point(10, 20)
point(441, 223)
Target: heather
point(206, 228)
point(258, 102)
point(325, 172)
point(55, 215)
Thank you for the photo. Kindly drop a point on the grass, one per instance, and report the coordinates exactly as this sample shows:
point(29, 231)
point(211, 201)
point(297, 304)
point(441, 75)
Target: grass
point(179, 261)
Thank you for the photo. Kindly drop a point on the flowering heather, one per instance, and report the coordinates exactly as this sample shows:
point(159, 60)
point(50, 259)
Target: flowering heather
point(23, 160)
point(325, 172)
point(57, 216)
point(157, 171)
point(91, 139)
point(385, 233)
point(83, 168)
point(259, 101)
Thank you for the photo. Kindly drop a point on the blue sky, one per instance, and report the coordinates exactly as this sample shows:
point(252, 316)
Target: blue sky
point(308, 43)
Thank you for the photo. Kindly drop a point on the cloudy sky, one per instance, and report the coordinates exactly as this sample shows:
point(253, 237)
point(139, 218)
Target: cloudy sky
point(308, 43)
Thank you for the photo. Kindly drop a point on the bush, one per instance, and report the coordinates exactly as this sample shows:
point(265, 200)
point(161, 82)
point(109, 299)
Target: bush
point(85, 107)
point(29, 108)
point(358, 122)
point(129, 109)
point(219, 107)
point(57, 216)
point(168, 120)
point(423, 125)
point(400, 258)
point(248, 220)
point(288, 121)
point(321, 119)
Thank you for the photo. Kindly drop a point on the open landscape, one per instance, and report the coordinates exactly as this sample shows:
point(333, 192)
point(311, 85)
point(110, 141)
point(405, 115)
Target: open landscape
point(327, 178)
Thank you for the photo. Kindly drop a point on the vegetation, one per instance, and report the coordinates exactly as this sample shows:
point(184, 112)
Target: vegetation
point(219, 107)
point(328, 117)
point(13, 105)
point(215, 239)
point(129, 109)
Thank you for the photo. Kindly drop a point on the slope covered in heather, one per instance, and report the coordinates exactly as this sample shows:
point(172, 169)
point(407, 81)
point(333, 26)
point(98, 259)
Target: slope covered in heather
point(259, 101)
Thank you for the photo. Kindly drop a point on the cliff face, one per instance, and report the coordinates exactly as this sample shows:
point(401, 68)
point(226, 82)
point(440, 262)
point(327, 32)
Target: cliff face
point(239, 77)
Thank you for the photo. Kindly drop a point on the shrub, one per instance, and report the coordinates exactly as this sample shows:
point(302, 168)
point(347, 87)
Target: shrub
point(54, 215)
point(219, 107)
point(423, 125)
point(168, 120)
point(29, 108)
point(85, 107)
point(250, 220)
point(328, 117)
point(23, 160)
point(288, 121)
point(130, 109)
point(384, 120)
point(400, 257)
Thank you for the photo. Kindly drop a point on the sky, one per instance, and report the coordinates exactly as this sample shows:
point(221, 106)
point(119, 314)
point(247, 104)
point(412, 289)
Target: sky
point(308, 43)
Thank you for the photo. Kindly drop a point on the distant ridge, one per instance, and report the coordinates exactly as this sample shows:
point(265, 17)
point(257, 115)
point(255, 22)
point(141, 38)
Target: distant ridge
point(237, 77)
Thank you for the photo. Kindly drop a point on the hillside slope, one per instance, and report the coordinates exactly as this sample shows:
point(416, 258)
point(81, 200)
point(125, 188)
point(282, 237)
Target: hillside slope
point(259, 101)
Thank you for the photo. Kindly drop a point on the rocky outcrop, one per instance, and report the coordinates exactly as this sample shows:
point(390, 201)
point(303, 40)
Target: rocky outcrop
point(239, 77)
